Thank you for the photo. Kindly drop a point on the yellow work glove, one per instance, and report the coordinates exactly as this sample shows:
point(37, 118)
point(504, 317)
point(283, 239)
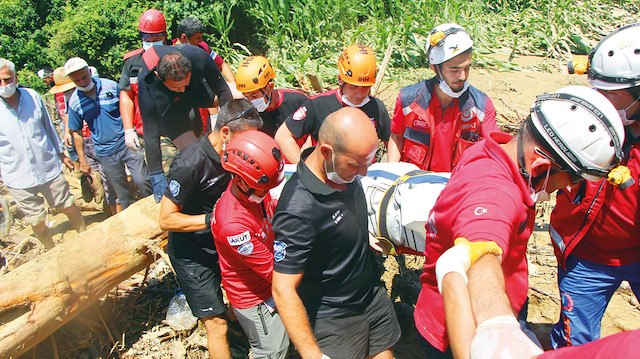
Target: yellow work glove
point(462, 256)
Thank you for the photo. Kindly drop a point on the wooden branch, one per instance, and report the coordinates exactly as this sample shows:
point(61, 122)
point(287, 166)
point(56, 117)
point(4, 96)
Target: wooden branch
point(383, 69)
point(43, 294)
point(315, 82)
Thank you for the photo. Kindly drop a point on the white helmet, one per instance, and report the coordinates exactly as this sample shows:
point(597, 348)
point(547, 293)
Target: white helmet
point(581, 129)
point(615, 63)
point(447, 41)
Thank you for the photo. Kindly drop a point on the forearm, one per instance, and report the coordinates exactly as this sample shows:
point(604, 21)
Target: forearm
point(79, 145)
point(288, 144)
point(487, 289)
point(294, 317)
point(127, 109)
point(394, 150)
point(171, 219)
point(459, 316)
point(227, 72)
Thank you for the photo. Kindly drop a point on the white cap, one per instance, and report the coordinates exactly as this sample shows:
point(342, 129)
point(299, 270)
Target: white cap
point(74, 64)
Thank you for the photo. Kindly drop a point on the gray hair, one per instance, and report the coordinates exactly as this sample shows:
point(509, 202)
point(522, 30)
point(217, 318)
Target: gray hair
point(228, 116)
point(7, 63)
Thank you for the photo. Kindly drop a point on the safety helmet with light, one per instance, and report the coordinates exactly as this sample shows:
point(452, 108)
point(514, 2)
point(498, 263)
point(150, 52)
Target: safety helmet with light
point(357, 65)
point(254, 73)
point(256, 158)
point(614, 63)
point(447, 41)
point(580, 129)
point(152, 22)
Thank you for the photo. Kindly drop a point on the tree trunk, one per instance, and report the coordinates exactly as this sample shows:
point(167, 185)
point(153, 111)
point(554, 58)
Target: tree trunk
point(40, 296)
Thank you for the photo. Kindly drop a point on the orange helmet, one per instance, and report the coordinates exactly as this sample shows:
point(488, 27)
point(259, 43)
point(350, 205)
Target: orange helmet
point(357, 65)
point(152, 22)
point(256, 157)
point(254, 73)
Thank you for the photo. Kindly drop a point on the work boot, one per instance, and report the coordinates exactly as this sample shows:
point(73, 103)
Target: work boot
point(96, 187)
point(87, 192)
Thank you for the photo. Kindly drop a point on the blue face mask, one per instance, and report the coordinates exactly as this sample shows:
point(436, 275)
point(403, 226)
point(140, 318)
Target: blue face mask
point(147, 45)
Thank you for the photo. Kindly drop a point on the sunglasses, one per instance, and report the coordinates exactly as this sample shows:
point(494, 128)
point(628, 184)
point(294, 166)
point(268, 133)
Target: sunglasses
point(573, 177)
point(248, 113)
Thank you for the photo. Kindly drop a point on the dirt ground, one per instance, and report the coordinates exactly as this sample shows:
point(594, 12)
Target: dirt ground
point(133, 313)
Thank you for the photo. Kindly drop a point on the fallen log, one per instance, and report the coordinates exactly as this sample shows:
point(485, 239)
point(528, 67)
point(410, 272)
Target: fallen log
point(40, 296)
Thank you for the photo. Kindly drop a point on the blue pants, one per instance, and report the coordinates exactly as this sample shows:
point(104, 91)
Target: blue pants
point(586, 288)
point(113, 166)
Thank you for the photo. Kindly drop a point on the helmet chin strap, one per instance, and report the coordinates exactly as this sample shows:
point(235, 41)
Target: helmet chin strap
point(521, 166)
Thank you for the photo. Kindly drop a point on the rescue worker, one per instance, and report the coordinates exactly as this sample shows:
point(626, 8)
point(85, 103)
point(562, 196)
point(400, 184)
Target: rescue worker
point(190, 31)
point(241, 227)
point(571, 134)
point(153, 31)
point(173, 82)
point(357, 73)
point(594, 227)
point(254, 79)
point(325, 285)
point(197, 179)
point(435, 120)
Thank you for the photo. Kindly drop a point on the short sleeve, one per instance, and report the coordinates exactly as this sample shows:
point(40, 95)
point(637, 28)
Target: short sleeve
point(384, 122)
point(294, 237)
point(302, 122)
point(397, 123)
point(181, 182)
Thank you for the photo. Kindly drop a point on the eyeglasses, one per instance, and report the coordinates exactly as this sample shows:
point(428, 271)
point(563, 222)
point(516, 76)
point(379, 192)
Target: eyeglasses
point(248, 113)
point(573, 177)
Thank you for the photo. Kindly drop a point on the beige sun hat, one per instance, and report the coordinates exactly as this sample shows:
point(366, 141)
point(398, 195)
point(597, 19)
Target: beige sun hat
point(62, 81)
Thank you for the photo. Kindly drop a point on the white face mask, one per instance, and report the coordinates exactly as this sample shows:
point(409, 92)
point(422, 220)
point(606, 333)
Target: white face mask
point(541, 195)
point(8, 90)
point(260, 104)
point(351, 104)
point(623, 114)
point(256, 199)
point(87, 88)
point(333, 176)
point(147, 45)
point(449, 91)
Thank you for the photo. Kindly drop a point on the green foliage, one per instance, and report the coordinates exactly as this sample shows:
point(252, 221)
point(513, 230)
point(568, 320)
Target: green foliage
point(300, 36)
point(30, 79)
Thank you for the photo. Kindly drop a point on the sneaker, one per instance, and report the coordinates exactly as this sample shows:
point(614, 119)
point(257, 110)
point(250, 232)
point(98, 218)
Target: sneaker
point(87, 192)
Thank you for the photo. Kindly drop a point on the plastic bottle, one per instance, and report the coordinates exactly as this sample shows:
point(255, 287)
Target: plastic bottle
point(179, 315)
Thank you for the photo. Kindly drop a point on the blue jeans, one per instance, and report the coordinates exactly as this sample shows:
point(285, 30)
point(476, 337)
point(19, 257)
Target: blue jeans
point(113, 166)
point(586, 288)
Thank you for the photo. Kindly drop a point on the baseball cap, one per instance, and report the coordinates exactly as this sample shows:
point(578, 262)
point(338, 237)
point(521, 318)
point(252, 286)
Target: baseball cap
point(74, 64)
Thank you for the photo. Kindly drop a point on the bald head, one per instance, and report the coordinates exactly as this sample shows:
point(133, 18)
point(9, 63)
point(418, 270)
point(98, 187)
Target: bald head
point(348, 130)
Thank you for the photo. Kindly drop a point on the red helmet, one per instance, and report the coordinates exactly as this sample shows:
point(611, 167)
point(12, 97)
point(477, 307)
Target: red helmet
point(152, 22)
point(256, 157)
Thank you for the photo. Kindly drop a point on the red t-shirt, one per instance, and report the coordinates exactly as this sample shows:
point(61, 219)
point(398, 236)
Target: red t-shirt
point(486, 199)
point(244, 240)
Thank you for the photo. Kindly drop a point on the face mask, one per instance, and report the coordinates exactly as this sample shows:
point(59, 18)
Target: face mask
point(147, 45)
point(87, 88)
point(449, 91)
point(541, 195)
point(623, 114)
point(8, 90)
point(262, 103)
point(256, 199)
point(351, 104)
point(334, 176)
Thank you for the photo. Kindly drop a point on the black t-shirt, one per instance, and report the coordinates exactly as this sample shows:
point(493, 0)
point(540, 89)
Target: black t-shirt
point(196, 182)
point(166, 112)
point(308, 118)
point(322, 232)
point(290, 100)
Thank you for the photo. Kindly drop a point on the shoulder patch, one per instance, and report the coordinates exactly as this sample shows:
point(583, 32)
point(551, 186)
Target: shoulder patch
point(279, 250)
point(174, 187)
point(239, 239)
point(246, 249)
point(300, 113)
